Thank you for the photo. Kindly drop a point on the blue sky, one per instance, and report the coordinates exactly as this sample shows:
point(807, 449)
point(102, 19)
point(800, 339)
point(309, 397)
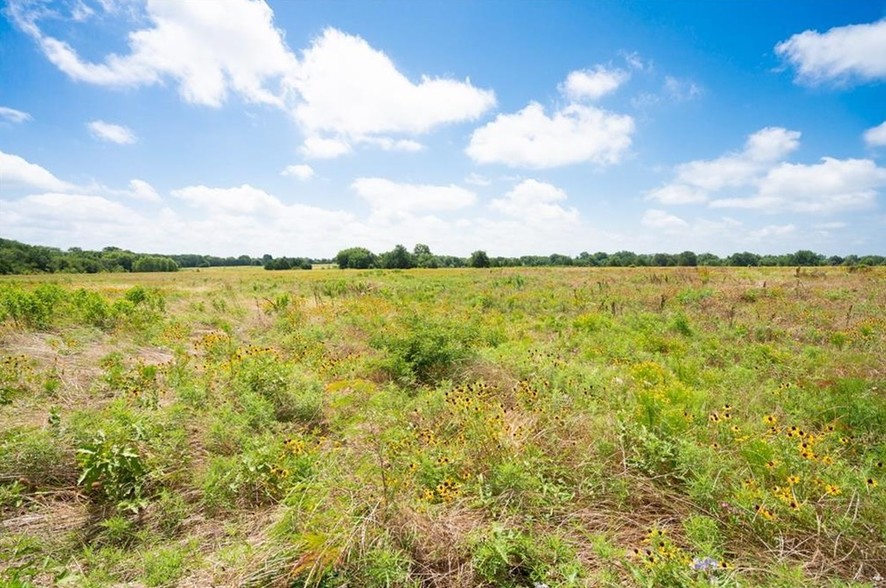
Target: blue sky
point(300, 128)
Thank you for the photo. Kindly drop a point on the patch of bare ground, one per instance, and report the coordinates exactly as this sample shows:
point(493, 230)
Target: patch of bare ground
point(76, 362)
point(436, 542)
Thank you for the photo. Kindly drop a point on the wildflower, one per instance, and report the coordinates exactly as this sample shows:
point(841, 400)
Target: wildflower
point(771, 464)
point(872, 483)
point(793, 480)
point(704, 564)
point(770, 419)
point(832, 490)
point(764, 512)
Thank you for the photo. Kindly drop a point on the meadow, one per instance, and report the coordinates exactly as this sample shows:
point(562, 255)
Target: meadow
point(519, 427)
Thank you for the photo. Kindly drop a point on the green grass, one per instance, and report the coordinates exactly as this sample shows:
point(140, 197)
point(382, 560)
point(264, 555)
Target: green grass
point(506, 427)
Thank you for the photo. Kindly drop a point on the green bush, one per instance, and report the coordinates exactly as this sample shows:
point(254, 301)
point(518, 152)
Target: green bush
point(113, 469)
point(34, 309)
point(424, 350)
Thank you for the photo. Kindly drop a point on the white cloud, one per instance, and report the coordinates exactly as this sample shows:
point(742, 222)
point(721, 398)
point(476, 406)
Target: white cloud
point(343, 92)
point(15, 171)
point(696, 179)
point(841, 54)
point(81, 12)
point(876, 136)
point(678, 194)
point(476, 179)
point(73, 207)
point(531, 138)
point(301, 171)
point(771, 231)
point(659, 219)
point(322, 148)
point(348, 90)
point(141, 190)
point(830, 186)
point(208, 48)
point(636, 62)
point(388, 144)
point(242, 200)
point(14, 116)
point(681, 90)
point(535, 202)
point(592, 84)
point(388, 198)
point(112, 133)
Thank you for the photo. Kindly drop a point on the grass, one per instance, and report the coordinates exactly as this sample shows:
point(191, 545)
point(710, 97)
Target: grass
point(506, 427)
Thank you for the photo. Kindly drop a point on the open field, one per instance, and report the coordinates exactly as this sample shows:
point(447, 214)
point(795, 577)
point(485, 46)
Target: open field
point(513, 427)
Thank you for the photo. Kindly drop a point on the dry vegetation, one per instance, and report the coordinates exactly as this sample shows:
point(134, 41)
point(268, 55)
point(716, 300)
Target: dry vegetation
point(510, 427)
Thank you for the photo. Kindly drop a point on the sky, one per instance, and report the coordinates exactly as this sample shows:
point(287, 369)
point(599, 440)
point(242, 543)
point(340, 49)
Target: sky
point(231, 127)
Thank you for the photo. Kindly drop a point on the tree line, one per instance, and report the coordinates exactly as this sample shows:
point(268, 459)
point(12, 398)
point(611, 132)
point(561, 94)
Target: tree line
point(401, 258)
point(21, 258)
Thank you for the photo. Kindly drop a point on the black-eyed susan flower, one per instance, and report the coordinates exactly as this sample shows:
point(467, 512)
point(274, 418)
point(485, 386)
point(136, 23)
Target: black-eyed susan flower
point(832, 490)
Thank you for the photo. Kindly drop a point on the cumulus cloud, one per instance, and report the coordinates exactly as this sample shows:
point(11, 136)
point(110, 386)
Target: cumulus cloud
point(388, 144)
point(111, 133)
point(592, 84)
point(321, 148)
point(876, 136)
point(758, 178)
point(659, 219)
point(14, 116)
point(242, 200)
point(387, 198)
point(833, 185)
point(842, 54)
point(73, 207)
point(342, 92)
point(531, 138)
point(695, 180)
point(301, 171)
point(142, 190)
point(16, 171)
point(535, 202)
point(349, 89)
point(208, 48)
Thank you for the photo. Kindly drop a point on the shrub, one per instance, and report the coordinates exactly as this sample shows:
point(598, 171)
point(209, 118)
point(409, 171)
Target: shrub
point(113, 469)
point(425, 350)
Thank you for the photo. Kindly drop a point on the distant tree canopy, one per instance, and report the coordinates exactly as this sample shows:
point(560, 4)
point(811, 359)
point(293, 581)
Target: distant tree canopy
point(356, 258)
point(21, 258)
point(421, 256)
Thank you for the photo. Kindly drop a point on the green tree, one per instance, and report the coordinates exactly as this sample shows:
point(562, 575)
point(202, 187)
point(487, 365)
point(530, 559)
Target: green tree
point(355, 258)
point(397, 258)
point(479, 259)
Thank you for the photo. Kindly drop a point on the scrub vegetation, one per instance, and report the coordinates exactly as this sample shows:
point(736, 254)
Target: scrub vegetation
point(517, 427)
